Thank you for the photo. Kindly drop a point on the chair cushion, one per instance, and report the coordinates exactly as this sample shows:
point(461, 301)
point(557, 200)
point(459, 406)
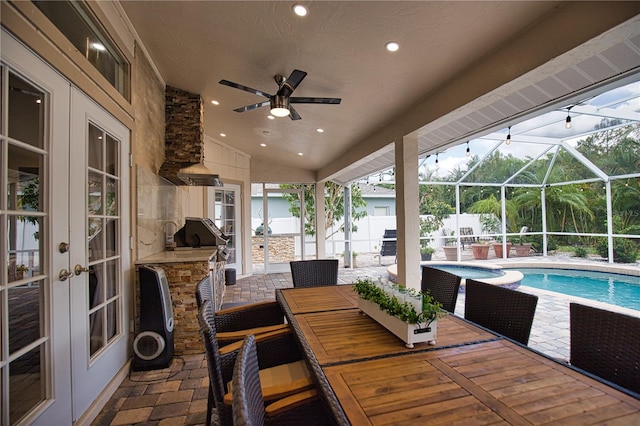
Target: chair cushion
point(280, 381)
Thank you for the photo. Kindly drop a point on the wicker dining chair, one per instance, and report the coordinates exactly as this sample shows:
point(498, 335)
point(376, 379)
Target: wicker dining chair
point(507, 312)
point(314, 273)
point(280, 360)
point(304, 408)
point(443, 286)
point(606, 344)
point(233, 324)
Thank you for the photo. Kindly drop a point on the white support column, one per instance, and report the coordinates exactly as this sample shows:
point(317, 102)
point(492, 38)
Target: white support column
point(407, 212)
point(543, 204)
point(609, 220)
point(321, 222)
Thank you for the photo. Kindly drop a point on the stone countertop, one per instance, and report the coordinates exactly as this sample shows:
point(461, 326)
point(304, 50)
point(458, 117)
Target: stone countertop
point(180, 255)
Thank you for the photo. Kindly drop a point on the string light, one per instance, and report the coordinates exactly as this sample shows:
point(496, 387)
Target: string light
point(508, 139)
point(567, 122)
point(468, 150)
point(436, 159)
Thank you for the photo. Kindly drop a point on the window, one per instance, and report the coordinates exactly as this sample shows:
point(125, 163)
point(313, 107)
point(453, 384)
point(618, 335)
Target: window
point(381, 211)
point(77, 23)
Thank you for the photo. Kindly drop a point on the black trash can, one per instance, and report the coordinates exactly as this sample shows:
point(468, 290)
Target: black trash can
point(230, 277)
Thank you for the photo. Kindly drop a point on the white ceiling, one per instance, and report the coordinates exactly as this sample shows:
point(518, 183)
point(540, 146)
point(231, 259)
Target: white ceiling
point(340, 44)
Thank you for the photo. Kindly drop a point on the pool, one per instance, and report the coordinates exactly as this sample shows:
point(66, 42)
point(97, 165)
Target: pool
point(615, 289)
point(488, 273)
point(475, 273)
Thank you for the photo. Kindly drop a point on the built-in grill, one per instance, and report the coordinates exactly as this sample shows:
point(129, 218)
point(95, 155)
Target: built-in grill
point(202, 232)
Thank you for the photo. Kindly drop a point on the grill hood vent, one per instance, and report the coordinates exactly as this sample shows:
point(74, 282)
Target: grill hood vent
point(184, 140)
point(198, 175)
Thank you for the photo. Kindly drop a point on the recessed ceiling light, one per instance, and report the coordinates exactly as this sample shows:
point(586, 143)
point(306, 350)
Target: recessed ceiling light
point(320, 130)
point(271, 117)
point(263, 144)
point(300, 154)
point(215, 102)
point(300, 10)
point(224, 135)
point(392, 46)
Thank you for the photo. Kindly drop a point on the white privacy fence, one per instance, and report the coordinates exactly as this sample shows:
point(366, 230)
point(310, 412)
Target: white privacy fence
point(368, 237)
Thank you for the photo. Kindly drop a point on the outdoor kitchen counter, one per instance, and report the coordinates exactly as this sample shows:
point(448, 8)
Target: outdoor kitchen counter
point(184, 269)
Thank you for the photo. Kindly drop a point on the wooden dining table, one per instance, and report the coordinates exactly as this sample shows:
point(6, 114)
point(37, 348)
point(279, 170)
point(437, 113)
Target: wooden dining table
point(367, 376)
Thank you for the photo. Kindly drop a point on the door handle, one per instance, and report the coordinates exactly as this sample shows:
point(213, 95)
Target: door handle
point(64, 275)
point(80, 269)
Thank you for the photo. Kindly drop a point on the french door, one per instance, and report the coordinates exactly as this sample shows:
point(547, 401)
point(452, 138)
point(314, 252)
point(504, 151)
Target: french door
point(64, 193)
point(99, 248)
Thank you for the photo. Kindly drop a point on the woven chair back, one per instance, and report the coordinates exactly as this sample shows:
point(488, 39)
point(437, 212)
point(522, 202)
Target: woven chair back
point(507, 312)
point(606, 344)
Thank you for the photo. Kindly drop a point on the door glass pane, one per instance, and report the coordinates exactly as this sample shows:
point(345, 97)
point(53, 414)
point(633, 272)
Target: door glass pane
point(95, 239)
point(112, 165)
point(96, 285)
point(26, 112)
point(95, 147)
point(110, 236)
point(25, 307)
point(26, 384)
point(111, 279)
point(95, 193)
point(112, 320)
point(95, 332)
point(111, 208)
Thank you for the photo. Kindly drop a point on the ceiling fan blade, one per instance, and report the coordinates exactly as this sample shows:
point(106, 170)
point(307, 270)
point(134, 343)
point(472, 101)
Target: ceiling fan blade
point(300, 100)
point(293, 114)
point(245, 88)
point(291, 83)
point(253, 106)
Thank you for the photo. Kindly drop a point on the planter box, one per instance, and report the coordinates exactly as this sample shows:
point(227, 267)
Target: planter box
point(480, 251)
point(522, 249)
point(408, 333)
point(497, 248)
point(450, 253)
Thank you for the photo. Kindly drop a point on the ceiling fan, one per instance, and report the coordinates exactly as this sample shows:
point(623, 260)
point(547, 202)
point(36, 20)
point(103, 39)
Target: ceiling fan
point(280, 103)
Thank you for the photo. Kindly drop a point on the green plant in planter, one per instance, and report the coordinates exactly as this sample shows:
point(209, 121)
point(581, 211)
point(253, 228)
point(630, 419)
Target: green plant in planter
point(426, 249)
point(406, 311)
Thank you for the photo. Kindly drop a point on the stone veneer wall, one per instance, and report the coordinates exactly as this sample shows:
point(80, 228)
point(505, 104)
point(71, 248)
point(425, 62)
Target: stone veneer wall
point(183, 278)
point(184, 131)
point(282, 248)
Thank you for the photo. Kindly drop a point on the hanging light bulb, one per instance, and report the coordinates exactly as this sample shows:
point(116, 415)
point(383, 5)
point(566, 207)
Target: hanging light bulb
point(567, 121)
point(508, 139)
point(436, 159)
point(468, 150)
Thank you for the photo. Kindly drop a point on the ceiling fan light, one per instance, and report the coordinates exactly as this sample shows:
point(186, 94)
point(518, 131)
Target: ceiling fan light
point(279, 106)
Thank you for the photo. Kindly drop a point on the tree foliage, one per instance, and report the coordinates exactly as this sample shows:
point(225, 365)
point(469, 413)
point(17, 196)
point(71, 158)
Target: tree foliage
point(333, 204)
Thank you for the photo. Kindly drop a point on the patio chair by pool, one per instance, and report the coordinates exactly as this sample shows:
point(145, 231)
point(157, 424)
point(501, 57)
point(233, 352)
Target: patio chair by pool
point(314, 273)
point(504, 311)
point(248, 404)
point(283, 369)
point(606, 344)
point(442, 285)
point(466, 237)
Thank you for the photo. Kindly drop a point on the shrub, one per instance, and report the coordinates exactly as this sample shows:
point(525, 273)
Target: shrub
point(580, 251)
point(624, 251)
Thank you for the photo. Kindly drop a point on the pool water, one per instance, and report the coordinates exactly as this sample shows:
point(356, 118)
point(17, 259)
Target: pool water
point(615, 289)
point(470, 271)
